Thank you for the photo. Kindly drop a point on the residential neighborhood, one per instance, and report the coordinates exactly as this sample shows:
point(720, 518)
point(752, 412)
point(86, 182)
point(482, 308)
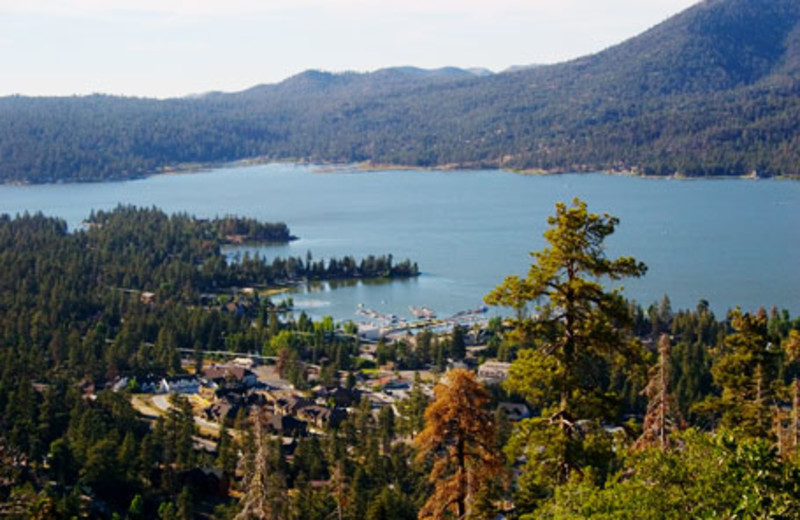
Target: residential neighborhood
point(225, 391)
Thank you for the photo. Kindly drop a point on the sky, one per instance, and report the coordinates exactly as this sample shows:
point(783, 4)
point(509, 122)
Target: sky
point(167, 48)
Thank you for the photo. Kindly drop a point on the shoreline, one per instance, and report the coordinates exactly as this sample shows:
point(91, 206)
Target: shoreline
point(371, 167)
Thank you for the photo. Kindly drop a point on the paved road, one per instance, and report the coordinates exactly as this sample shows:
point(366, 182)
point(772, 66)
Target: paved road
point(161, 403)
point(269, 375)
point(144, 408)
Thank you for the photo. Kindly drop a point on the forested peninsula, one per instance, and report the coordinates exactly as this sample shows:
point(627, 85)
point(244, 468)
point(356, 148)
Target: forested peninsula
point(712, 91)
point(174, 257)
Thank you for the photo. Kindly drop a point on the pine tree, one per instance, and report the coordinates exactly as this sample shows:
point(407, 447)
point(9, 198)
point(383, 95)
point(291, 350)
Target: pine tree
point(459, 440)
point(789, 437)
point(412, 410)
point(126, 458)
point(458, 348)
point(578, 332)
point(745, 372)
point(663, 415)
point(181, 429)
point(386, 428)
point(339, 489)
point(227, 456)
point(265, 489)
point(794, 427)
point(185, 504)
point(579, 327)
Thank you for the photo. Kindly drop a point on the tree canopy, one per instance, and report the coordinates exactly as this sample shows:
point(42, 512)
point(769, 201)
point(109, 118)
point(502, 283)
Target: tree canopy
point(578, 327)
point(459, 441)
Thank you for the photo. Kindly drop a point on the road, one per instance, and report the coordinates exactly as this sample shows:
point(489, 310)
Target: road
point(157, 405)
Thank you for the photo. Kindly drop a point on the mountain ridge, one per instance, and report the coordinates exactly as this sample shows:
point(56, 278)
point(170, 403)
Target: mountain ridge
point(713, 90)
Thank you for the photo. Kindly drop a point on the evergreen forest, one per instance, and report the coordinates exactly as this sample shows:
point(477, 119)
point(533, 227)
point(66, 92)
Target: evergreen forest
point(635, 412)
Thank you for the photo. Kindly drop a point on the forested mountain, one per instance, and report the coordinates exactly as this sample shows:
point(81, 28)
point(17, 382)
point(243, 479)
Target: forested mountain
point(714, 90)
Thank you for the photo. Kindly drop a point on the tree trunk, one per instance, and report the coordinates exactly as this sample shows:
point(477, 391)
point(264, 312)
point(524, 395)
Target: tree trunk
point(662, 405)
point(795, 440)
point(462, 470)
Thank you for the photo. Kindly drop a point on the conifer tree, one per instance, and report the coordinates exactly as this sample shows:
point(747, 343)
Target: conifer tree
point(227, 456)
point(579, 326)
point(185, 504)
point(265, 489)
point(663, 415)
point(459, 439)
point(578, 331)
point(386, 428)
point(180, 429)
point(339, 488)
point(458, 348)
point(789, 437)
point(745, 372)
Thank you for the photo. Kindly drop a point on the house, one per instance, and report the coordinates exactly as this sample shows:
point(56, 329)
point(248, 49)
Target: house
point(244, 362)
point(515, 411)
point(219, 376)
point(179, 385)
point(229, 402)
point(147, 298)
point(396, 384)
point(256, 399)
point(322, 417)
point(396, 395)
point(493, 372)
point(369, 332)
point(379, 399)
point(148, 384)
point(290, 405)
point(120, 384)
point(223, 411)
point(474, 337)
point(369, 358)
point(286, 426)
point(339, 396)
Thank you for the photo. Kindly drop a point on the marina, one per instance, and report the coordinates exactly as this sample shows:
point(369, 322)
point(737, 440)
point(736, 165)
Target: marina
point(389, 326)
point(422, 312)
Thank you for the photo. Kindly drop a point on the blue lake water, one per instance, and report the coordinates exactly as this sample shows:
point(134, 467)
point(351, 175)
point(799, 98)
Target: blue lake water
point(732, 242)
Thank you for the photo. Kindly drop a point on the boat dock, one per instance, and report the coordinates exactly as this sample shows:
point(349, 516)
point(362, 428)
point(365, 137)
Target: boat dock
point(387, 325)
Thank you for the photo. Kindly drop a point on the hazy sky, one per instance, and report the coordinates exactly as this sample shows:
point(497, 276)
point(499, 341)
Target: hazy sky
point(175, 47)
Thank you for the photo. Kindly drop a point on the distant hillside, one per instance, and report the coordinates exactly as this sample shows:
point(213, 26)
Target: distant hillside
point(714, 90)
point(382, 81)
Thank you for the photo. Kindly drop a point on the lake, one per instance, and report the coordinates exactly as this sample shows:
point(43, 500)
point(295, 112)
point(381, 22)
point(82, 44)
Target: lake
point(732, 242)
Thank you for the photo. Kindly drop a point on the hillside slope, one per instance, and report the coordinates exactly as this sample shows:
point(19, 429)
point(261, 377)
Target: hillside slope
point(714, 90)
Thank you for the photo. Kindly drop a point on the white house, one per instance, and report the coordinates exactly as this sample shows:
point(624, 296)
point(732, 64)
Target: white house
point(179, 385)
point(494, 372)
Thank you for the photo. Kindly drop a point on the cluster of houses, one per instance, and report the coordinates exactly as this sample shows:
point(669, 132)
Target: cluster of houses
point(288, 414)
point(213, 377)
point(233, 390)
